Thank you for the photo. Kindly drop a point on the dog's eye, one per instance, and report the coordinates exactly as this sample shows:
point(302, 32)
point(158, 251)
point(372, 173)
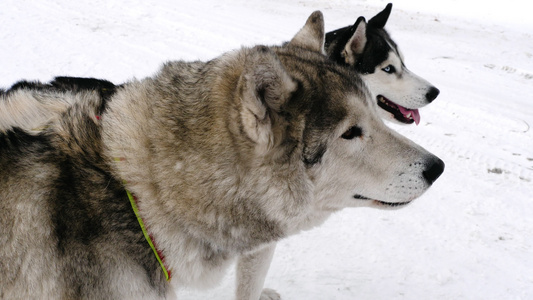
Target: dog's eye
point(353, 132)
point(389, 69)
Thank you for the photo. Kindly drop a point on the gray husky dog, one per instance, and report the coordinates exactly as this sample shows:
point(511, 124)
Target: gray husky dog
point(166, 181)
point(368, 49)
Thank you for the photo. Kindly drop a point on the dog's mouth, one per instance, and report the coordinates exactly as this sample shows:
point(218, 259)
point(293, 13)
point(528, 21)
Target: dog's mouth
point(400, 113)
point(382, 203)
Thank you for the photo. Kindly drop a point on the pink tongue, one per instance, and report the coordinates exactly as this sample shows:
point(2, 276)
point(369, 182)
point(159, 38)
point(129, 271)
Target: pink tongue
point(415, 115)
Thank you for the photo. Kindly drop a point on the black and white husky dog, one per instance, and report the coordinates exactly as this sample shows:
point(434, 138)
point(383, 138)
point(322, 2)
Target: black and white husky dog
point(368, 49)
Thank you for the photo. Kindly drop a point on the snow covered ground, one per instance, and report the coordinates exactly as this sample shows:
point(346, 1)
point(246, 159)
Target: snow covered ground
point(469, 237)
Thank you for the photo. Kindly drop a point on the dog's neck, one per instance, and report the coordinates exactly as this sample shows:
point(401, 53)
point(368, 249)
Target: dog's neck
point(158, 253)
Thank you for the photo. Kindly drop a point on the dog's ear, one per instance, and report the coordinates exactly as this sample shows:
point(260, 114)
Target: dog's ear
point(264, 87)
point(357, 42)
point(311, 36)
point(379, 20)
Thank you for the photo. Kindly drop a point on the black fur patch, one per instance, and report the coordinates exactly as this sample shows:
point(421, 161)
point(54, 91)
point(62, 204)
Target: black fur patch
point(336, 42)
point(377, 49)
point(105, 89)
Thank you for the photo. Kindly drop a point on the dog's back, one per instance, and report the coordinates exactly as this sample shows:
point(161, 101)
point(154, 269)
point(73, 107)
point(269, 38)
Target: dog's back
point(30, 105)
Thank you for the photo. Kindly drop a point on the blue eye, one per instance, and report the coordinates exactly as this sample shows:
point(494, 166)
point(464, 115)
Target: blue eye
point(389, 69)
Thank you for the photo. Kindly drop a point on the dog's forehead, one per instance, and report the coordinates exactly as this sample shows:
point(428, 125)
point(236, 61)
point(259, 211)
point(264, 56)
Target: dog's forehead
point(378, 49)
point(338, 104)
point(395, 54)
point(339, 91)
point(326, 88)
point(394, 58)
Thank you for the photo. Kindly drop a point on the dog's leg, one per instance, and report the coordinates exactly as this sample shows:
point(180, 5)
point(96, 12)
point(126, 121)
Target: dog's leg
point(251, 272)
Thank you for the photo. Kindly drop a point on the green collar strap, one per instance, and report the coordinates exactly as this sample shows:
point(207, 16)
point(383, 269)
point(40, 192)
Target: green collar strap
point(158, 254)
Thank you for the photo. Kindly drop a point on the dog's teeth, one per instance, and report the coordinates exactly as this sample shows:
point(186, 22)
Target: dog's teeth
point(408, 115)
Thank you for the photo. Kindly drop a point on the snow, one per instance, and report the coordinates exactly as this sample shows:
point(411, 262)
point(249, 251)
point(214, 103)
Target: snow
point(469, 237)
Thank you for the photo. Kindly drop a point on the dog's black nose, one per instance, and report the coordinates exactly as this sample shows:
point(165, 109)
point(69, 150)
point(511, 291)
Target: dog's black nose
point(432, 94)
point(433, 170)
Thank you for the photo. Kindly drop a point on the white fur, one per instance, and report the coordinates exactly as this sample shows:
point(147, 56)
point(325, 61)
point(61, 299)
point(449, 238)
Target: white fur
point(404, 87)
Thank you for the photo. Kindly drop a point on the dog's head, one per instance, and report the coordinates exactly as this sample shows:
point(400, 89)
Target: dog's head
point(369, 50)
point(302, 110)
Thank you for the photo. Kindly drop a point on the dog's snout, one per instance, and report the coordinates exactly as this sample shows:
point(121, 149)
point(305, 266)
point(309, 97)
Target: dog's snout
point(434, 169)
point(432, 94)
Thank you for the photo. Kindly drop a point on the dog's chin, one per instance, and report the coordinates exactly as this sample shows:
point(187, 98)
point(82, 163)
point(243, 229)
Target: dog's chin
point(389, 205)
point(396, 112)
point(382, 204)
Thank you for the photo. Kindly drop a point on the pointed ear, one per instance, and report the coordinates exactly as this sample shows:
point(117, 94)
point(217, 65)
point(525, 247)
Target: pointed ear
point(264, 87)
point(379, 20)
point(356, 44)
point(311, 36)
